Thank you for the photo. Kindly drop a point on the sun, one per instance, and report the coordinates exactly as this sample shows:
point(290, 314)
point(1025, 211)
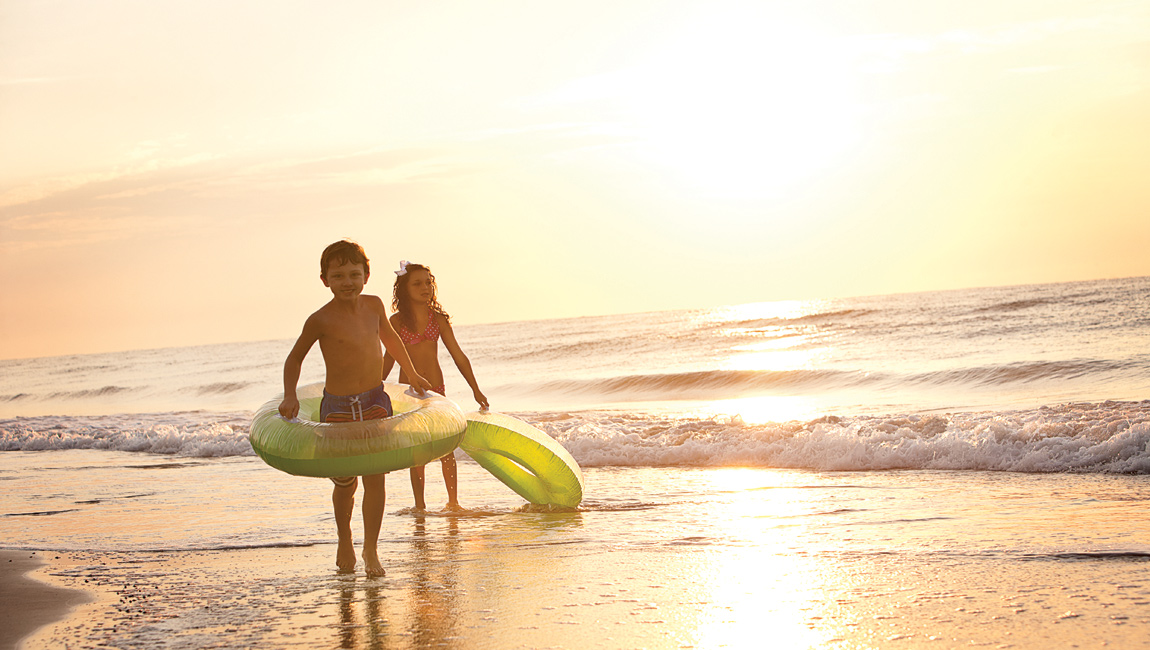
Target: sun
point(739, 103)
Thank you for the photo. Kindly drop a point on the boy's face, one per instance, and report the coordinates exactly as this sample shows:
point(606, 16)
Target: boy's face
point(345, 280)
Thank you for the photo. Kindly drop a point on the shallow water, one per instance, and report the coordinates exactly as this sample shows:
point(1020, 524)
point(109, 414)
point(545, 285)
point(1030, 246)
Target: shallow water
point(656, 557)
point(930, 470)
point(117, 501)
point(1002, 348)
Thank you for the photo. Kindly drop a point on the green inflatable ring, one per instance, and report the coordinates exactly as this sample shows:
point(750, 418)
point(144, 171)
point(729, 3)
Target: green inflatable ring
point(423, 429)
point(527, 460)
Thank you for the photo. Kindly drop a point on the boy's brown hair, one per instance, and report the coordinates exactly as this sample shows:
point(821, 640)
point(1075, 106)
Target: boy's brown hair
point(343, 251)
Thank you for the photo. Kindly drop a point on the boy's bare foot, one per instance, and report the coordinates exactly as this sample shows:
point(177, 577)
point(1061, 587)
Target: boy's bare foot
point(371, 564)
point(454, 507)
point(345, 556)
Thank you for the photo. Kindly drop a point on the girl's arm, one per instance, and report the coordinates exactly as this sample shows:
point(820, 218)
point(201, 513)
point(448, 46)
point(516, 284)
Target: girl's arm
point(460, 359)
point(393, 345)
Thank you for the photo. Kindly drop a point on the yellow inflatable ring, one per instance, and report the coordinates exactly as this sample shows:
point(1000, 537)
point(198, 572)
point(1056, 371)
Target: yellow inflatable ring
point(527, 460)
point(423, 429)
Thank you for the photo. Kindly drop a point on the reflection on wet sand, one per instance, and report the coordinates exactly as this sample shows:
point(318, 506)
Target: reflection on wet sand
point(372, 630)
point(422, 609)
point(662, 557)
point(448, 589)
point(434, 585)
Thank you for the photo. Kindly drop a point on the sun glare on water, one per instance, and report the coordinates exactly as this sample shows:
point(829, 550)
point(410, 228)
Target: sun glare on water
point(758, 590)
point(770, 338)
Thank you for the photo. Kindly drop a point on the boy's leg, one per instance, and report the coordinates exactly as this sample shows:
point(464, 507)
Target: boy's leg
point(374, 404)
point(451, 480)
point(342, 501)
point(417, 480)
point(374, 496)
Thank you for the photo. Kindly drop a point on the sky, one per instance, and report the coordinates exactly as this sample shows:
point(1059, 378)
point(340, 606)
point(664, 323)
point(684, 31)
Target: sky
point(171, 171)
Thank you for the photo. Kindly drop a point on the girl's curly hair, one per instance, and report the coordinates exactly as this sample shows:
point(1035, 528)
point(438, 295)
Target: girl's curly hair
point(401, 299)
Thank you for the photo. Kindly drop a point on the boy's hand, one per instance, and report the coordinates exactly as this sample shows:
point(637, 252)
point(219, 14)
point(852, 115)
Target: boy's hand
point(480, 399)
point(289, 408)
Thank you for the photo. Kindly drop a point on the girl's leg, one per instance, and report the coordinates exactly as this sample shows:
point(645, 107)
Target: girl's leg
point(450, 478)
point(417, 480)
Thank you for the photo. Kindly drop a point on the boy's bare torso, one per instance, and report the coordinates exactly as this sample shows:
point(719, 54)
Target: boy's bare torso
point(350, 342)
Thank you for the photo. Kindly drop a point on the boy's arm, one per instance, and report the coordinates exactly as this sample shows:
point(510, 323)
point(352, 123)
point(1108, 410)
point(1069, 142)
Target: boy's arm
point(394, 346)
point(461, 361)
point(388, 364)
point(289, 407)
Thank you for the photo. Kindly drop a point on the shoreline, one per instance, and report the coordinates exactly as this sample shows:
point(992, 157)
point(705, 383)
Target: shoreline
point(660, 558)
point(445, 587)
point(28, 604)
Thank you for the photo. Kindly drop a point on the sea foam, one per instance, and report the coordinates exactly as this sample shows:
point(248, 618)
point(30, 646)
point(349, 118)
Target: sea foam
point(1107, 437)
point(1111, 437)
point(169, 434)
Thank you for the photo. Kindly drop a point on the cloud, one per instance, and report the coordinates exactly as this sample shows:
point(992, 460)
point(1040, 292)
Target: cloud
point(156, 195)
point(144, 164)
point(34, 81)
point(48, 231)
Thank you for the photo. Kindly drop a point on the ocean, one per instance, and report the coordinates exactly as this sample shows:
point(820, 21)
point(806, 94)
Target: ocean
point(937, 469)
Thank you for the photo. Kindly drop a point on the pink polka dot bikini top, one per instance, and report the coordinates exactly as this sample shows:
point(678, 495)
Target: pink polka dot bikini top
point(430, 333)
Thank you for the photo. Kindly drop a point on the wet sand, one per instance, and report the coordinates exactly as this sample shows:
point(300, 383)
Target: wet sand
point(27, 604)
point(656, 558)
point(456, 587)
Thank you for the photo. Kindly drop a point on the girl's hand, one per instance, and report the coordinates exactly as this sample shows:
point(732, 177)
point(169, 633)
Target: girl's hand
point(481, 399)
point(419, 383)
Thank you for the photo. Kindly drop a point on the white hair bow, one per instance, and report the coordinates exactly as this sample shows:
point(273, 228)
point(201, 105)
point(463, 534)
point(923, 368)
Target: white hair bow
point(402, 268)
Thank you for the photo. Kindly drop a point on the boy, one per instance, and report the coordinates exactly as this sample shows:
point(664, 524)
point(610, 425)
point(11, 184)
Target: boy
point(349, 329)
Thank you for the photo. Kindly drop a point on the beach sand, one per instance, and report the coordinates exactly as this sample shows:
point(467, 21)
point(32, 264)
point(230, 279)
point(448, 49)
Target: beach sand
point(470, 593)
point(26, 604)
point(696, 567)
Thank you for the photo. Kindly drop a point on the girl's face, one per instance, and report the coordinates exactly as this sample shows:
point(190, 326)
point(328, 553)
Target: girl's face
point(419, 287)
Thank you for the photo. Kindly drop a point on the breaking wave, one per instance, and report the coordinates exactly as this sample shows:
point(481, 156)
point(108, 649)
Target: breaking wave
point(1107, 437)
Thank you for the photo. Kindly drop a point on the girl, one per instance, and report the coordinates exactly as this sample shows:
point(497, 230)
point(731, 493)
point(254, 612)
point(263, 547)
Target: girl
point(420, 322)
